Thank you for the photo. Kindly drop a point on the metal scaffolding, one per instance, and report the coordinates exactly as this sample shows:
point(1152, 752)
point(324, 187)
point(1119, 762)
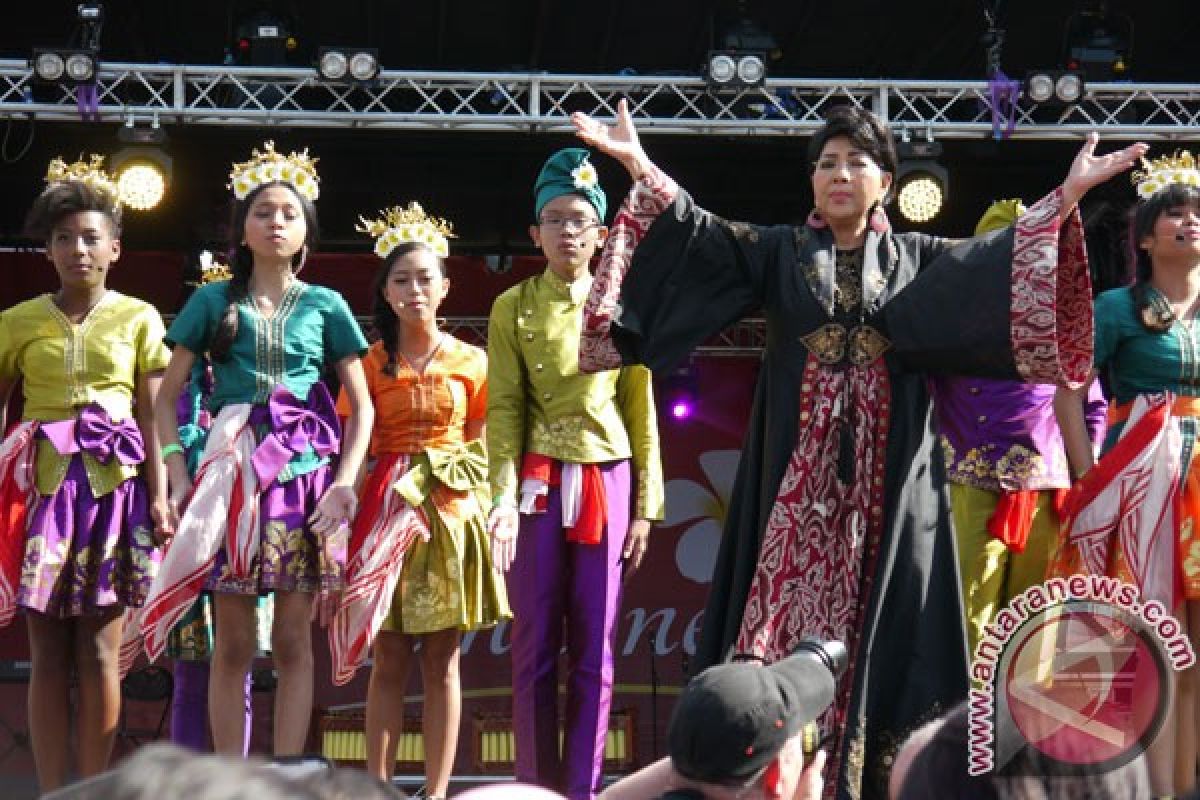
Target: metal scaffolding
point(534, 102)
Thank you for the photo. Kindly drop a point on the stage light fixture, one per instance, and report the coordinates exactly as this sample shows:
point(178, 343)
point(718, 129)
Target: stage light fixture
point(70, 66)
point(1098, 42)
point(1059, 87)
point(921, 182)
point(1069, 87)
point(729, 69)
point(348, 64)
point(264, 40)
point(681, 391)
point(142, 175)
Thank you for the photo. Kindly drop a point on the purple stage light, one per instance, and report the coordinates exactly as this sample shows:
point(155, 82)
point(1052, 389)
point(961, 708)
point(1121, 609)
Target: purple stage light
point(681, 409)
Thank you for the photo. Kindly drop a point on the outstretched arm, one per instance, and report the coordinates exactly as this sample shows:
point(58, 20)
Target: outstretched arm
point(619, 141)
point(1089, 170)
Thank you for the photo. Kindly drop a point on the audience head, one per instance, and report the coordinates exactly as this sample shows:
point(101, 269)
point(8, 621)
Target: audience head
point(743, 724)
point(932, 765)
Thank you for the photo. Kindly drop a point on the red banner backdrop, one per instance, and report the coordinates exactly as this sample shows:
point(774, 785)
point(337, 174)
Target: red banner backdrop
point(663, 605)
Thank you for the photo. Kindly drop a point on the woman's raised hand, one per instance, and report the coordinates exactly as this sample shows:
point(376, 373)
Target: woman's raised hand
point(619, 141)
point(1090, 170)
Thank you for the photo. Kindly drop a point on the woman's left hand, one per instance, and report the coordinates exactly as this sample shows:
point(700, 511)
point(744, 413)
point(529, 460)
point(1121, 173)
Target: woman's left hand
point(337, 508)
point(1090, 170)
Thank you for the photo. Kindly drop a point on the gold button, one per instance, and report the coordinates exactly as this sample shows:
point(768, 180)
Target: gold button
point(974, 390)
point(803, 416)
point(546, 395)
point(538, 367)
point(982, 419)
point(529, 337)
point(529, 312)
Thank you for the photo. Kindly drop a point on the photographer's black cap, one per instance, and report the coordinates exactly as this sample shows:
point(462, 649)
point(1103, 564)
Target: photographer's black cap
point(733, 719)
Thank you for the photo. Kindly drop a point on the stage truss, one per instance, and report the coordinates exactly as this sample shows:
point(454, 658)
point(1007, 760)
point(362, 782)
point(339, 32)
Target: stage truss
point(524, 102)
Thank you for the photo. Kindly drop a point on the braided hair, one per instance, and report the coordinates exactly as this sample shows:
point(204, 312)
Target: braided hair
point(386, 323)
point(241, 264)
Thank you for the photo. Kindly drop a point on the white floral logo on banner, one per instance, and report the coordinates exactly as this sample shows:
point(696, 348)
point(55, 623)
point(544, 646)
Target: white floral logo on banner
point(702, 507)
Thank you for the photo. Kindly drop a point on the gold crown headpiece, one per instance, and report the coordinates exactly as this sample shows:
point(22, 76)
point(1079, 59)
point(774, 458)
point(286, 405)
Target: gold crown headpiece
point(411, 224)
point(269, 166)
point(90, 172)
point(1159, 173)
point(211, 270)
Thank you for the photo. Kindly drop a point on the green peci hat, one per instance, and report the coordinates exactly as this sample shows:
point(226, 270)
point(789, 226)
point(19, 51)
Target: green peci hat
point(569, 172)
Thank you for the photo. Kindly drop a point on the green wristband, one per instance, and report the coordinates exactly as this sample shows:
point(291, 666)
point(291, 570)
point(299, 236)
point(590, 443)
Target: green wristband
point(167, 449)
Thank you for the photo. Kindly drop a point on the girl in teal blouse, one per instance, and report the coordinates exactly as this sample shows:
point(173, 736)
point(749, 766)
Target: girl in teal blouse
point(269, 510)
point(1147, 342)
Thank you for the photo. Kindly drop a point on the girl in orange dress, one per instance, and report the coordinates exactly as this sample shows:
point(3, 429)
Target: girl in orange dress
point(420, 566)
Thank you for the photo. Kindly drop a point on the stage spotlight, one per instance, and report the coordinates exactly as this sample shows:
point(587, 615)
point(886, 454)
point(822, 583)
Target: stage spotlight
point(354, 64)
point(142, 175)
point(1069, 87)
point(1098, 42)
point(680, 390)
point(729, 69)
point(1039, 87)
point(751, 70)
point(1064, 87)
point(332, 65)
point(364, 65)
point(921, 182)
point(73, 67)
point(264, 40)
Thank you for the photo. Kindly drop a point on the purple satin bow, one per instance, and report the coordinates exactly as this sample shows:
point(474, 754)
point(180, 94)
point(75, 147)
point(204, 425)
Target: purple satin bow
point(295, 427)
point(96, 434)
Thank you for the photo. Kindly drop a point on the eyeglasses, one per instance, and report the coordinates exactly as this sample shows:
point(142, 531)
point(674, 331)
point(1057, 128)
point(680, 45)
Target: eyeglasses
point(556, 223)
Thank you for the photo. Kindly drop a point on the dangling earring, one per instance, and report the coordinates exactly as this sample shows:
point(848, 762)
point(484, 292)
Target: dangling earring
point(815, 220)
point(878, 220)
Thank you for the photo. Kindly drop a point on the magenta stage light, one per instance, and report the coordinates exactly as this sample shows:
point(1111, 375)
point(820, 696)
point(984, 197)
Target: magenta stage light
point(681, 409)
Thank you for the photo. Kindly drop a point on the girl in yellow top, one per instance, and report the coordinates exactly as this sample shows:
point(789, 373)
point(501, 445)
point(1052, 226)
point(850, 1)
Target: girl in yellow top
point(77, 534)
point(420, 567)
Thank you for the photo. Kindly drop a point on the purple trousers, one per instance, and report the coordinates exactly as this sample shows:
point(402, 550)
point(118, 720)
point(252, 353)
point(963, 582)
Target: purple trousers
point(553, 582)
point(189, 707)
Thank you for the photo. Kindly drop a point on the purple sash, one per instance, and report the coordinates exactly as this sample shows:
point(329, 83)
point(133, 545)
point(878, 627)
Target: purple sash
point(295, 427)
point(94, 432)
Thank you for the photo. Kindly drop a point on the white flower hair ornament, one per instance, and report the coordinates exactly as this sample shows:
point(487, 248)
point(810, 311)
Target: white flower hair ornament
point(299, 170)
point(585, 176)
point(398, 225)
point(1159, 173)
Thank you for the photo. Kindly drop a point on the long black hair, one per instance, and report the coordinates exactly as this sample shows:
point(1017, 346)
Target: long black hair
point(241, 264)
point(1142, 219)
point(387, 324)
point(62, 198)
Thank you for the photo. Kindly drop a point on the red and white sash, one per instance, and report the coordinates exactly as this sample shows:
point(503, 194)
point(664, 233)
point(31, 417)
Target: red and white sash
point(18, 493)
point(223, 509)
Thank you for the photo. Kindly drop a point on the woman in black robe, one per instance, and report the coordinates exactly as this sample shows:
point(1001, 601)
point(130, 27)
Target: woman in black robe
point(839, 523)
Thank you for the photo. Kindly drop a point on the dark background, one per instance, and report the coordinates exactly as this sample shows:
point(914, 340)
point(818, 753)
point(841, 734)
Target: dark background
point(482, 181)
